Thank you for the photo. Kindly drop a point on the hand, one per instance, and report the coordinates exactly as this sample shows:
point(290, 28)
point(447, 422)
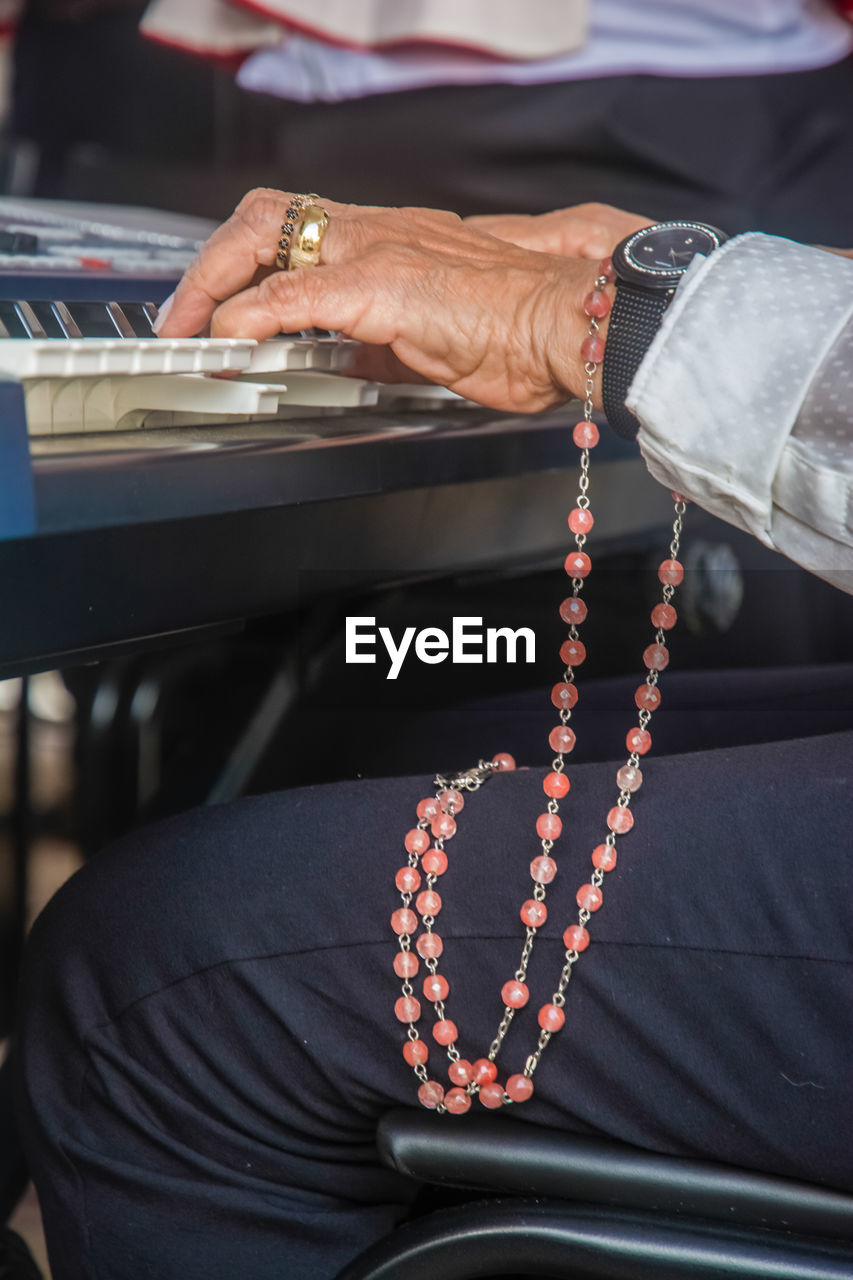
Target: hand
point(496, 323)
point(581, 231)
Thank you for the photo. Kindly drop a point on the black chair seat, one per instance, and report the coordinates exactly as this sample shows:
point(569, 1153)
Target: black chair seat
point(602, 1211)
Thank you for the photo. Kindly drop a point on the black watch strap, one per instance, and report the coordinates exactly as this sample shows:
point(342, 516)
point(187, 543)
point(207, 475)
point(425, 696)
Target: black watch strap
point(634, 321)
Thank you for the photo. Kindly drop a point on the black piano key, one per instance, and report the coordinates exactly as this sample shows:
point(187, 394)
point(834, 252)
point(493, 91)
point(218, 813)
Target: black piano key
point(20, 321)
point(100, 320)
point(48, 319)
point(141, 316)
point(11, 321)
point(66, 320)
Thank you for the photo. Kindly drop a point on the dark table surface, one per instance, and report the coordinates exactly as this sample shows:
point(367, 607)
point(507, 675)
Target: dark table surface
point(135, 538)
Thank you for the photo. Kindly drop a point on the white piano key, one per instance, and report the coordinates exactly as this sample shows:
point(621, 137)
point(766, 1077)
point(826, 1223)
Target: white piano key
point(326, 390)
point(70, 358)
point(59, 406)
point(281, 355)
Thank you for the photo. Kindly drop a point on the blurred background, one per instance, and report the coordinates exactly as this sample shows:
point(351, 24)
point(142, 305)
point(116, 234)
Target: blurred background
point(737, 114)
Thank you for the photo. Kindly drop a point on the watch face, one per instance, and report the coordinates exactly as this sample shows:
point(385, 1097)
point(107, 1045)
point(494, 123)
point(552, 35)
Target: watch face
point(656, 254)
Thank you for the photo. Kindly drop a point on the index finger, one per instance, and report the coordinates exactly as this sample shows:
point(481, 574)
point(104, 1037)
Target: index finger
point(229, 261)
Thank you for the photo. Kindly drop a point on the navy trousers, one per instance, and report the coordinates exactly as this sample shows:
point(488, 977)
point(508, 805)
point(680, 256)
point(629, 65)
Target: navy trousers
point(209, 1039)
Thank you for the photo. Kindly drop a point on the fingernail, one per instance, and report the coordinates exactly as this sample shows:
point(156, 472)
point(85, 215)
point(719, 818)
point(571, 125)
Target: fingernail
point(164, 309)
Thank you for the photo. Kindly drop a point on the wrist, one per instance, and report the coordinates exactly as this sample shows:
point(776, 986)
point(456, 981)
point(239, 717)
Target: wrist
point(581, 306)
point(648, 266)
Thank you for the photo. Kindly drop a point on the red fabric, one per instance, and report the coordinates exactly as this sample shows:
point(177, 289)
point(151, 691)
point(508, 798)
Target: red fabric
point(231, 61)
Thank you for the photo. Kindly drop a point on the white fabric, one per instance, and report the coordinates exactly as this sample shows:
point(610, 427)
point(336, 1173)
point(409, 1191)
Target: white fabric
point(745, 397)
point(209, 27)
point(657, 37)
point(497, 28)
point(505, 28)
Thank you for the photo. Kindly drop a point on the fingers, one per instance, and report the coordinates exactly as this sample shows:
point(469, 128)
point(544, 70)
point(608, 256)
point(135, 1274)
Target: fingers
point(334, 297)
point(581, 231)
point(242, 252)
point(526, 231)
point(237, 256)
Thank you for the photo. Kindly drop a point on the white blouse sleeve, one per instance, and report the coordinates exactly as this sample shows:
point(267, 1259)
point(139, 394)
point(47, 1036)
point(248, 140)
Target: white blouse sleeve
point(745, 397)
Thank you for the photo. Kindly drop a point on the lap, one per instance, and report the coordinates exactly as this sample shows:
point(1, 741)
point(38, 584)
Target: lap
point(210, 1003)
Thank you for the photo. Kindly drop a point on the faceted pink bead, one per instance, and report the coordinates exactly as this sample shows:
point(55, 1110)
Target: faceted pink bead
point(404, 921)
point(405, 964)
point(573, 611)
point(519, 1088)
point(492, 1095)
point(576, 938)
point(678, 497)
point(443, 826)
point(444, 1031)
point(457, 1101)
point(647, 697)
point(606, 268)
point(578, 564)
point(407, 1009)
point(431, 1095)
point(548, 826)
point(551, 1017)
point(580, 520)
point(504, 761)
point(484, 1070)
point(671, 572)
point(416, 840)
point(596, 303)
point(656, 657)
point(408, 879)
point(415, 1052)
point(429, 945)
point(620, 819)
point(564, 694)
point(592, 349)
point(585, 435)
point(572, 653)
point(543, 869)
point(428, 902)
point(638, 740)
point(436, 987)
point(589, 897)
point(452, 797)
point(534, 913)
point(561, 739)
point(604, 857)
point(629, 778)
point(461, 1071)
point(556, 785)
point(664, 616)
point(515, 994)
point(428, 807)
point(434, 862)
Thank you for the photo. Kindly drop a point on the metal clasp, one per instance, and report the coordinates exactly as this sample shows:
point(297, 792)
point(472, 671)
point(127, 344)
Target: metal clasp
point(470, 779)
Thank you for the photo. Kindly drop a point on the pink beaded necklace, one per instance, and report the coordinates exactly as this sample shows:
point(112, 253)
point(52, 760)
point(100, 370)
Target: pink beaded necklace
point(436, 816)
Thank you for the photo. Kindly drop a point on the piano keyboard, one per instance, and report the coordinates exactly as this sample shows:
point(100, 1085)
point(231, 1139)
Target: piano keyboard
point(89, 367)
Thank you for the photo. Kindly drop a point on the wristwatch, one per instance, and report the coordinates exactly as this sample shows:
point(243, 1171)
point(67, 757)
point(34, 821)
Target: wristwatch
point(648, 265)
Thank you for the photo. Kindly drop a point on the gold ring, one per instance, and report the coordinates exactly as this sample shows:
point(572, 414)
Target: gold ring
point(308, 237)
point(291, 221)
